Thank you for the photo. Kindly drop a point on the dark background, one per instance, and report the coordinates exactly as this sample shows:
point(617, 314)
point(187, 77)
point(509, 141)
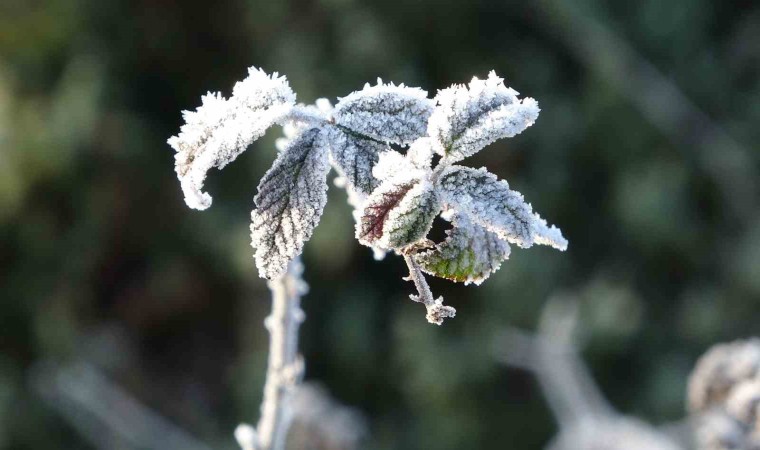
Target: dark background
point(645, 155)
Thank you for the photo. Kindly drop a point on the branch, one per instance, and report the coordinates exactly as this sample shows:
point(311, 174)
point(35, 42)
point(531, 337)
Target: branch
point(570, 389)
point(436, 310)
point(285, 366)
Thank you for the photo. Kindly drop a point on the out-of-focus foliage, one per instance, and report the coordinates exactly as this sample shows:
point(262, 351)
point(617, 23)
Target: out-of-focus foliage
point(646, 154)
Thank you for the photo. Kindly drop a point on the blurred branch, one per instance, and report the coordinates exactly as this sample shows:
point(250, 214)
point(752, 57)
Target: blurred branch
point(105, 414)
point(566, 382)
point(321, 423)
point(285, 366)
point(701, 140)
point(587, 421)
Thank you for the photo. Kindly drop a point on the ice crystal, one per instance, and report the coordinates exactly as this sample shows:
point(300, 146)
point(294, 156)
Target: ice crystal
point(292, 195)
point(420, 153)
point(468, 118)
point(490, 203)
point(386, 112)
point(374, 215)
point(392, 164)
point(353, 157)
point(396, 195)
point(412, 218)
point(221, 129)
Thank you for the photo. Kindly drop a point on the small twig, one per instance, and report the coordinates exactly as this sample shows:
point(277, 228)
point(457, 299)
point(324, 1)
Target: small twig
point(285, 366)
point(436, 310)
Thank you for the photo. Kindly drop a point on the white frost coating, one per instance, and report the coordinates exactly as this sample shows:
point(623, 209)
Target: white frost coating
point(468, 118)
point(392, 164)
point(436, 310)
point(220, 129)
point(470, 253)
point(401, 211)
point(504, 122)
point(376, 208)
point(292, 195)
point(411, 219)
point(396, 195)
point(489, 202)
point(420, 153)
point(386, 112)
point(353, 158)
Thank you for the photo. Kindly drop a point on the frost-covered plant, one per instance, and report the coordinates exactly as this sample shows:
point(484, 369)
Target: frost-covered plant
point(381, 141)
point(724, 396)
point(397, 196)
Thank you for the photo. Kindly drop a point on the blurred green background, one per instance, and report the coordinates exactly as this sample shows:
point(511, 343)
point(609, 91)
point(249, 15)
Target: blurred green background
point(646, 154)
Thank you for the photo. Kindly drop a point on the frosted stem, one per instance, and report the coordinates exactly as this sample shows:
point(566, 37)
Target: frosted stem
point(306, 115)
point(285, 365)
point(436, 310)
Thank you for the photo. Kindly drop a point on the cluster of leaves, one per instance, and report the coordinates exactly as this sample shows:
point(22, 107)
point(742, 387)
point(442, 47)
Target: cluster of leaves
point(397, 193)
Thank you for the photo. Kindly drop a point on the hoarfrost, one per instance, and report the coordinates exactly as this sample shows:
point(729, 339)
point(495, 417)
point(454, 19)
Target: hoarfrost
point(396, 195)
point(221, 129)
point(292, 195)
point(490, 203)
point(411, 219)
point(353, 158)
point(468, 118)
point(386, 112)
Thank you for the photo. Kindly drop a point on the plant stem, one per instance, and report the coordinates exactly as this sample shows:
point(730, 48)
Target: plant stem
point(436, 310)
point(285, 365)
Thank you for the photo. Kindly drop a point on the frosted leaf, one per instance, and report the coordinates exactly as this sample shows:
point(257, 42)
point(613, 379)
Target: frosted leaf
point(398, 213)
point(353, 157)
point(220, 129)
point(386, 112)
point(468, 118)
point(291, 197)
point(489, 202)
point(411, 219)
point(369, 227)
point(470, 253)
